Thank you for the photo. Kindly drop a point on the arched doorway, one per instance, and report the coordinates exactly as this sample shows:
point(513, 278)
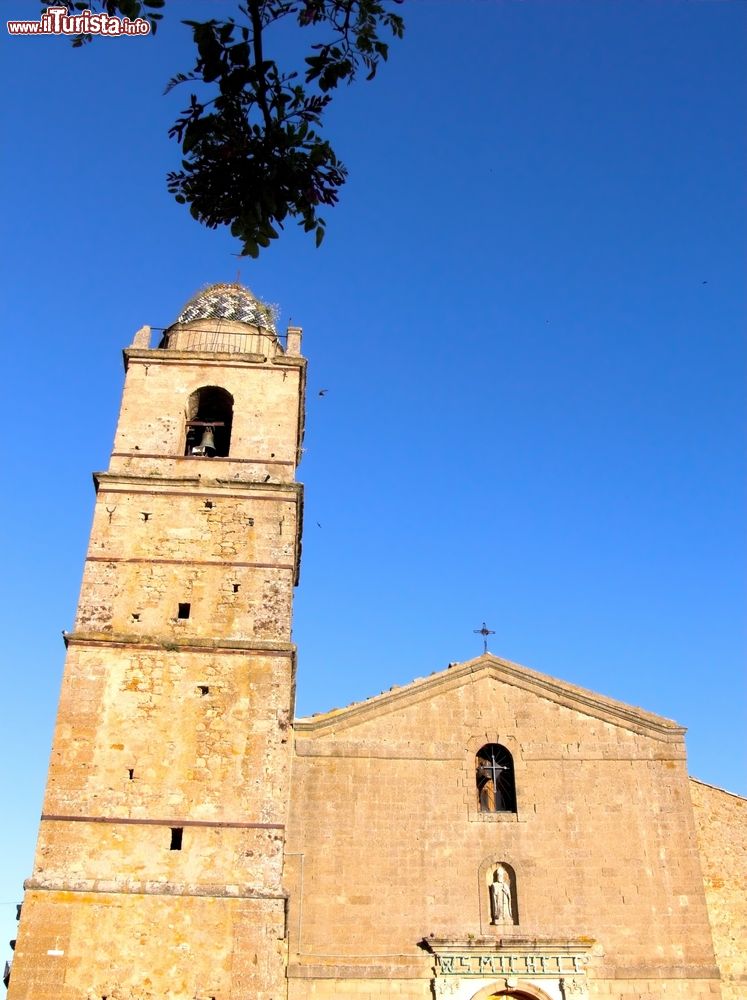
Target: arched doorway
point(521, 991)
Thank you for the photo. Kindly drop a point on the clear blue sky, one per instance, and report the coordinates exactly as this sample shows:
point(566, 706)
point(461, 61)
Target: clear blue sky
point(528, 313)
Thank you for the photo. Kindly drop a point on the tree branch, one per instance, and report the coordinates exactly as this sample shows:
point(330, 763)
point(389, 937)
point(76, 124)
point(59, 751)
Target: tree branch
point(256, 16)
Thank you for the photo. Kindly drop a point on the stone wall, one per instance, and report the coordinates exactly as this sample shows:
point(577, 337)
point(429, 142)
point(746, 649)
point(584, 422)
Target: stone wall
point(221, 755)
point(267, 414)
point(229, 553)
point(721, 824)
point(155, 948)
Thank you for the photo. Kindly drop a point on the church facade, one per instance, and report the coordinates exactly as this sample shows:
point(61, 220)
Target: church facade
point(487, 831)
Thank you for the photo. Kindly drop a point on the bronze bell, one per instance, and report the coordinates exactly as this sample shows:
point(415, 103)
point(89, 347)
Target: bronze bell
point(207, 444)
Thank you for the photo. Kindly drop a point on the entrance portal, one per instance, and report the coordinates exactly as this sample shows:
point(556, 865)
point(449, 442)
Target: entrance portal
point(516, 993)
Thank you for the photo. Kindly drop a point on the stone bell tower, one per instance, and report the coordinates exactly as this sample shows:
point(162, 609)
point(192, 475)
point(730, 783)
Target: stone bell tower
point(159, 860)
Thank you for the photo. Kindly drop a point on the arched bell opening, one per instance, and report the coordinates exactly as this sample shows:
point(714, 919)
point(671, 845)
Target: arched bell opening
point(494, 774)
point(208, 424)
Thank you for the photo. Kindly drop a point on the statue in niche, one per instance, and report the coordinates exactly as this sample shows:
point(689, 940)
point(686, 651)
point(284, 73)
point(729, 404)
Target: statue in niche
point(501, 909)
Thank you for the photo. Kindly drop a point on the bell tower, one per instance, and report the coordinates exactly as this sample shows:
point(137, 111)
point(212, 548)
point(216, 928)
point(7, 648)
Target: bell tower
point(159, 859)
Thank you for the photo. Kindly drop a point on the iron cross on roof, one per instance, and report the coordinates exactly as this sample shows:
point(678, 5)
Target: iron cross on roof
point(484, 632)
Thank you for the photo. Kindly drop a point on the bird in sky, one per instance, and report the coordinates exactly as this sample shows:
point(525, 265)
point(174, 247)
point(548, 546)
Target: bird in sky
point(322, 392)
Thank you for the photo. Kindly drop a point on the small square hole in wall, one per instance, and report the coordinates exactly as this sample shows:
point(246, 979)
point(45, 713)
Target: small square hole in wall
point(184, 610)
point(131, 773)
point(145, 514)
point(236, 588)
point(209, 505)
point(136, 616)
point(176, 838)
point(203, 689)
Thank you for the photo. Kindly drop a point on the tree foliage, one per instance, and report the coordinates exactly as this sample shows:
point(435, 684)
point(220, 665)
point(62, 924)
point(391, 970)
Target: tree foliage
point(252, 149)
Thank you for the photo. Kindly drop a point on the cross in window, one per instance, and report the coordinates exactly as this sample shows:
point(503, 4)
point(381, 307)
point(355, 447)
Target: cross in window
point(492, 769)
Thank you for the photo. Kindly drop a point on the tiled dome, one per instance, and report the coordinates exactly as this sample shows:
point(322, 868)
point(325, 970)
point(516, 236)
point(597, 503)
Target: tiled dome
point(231, 302)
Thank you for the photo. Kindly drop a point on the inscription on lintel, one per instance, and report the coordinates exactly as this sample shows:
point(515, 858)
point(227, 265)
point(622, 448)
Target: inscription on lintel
point(507, 964)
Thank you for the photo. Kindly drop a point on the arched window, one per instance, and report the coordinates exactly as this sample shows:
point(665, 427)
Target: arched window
point(494, 773)
point(209, 418)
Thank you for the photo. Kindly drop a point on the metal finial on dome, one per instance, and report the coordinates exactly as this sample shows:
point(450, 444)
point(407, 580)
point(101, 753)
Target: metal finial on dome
point(229, 301)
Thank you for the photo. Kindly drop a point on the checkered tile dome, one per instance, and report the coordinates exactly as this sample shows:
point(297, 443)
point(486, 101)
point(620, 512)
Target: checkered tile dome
point(231, 302)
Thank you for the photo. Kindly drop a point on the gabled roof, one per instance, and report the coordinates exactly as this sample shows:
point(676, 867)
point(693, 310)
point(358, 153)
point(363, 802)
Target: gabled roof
point(717, 788)
point(561, 693)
